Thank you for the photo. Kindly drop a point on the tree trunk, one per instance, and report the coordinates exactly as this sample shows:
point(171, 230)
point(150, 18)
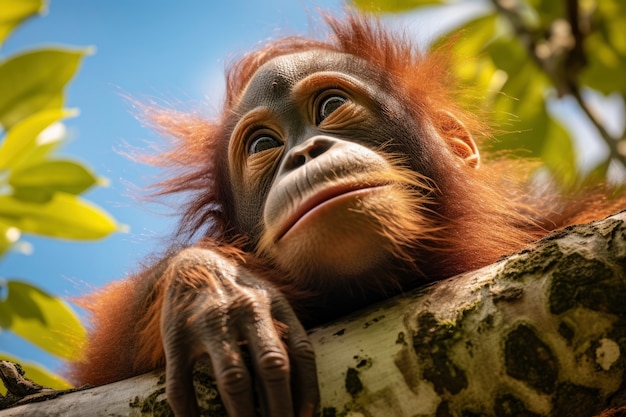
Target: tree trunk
point(541, 333)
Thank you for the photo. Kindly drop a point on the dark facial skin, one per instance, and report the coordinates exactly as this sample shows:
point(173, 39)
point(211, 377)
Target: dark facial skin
point(329, 178)
point(281, 109)
point(308, 175)
point(345, 180)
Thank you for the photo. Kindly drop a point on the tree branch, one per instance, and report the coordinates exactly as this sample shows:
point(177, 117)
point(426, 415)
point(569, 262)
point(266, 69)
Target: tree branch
point(616, 151)
point(563, 65)
point(541, 333)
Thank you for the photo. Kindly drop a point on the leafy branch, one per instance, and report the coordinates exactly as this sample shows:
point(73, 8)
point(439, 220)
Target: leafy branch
point(39, 191)
point(562, 57)
point(518, 52)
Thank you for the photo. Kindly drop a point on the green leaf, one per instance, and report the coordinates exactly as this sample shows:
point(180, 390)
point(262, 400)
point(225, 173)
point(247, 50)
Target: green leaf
point(469, 61)
point(42, 319)
point(508, 55)
point(558, 153)
point(63, 216)
point(34, 81)
point(520, 110)
point(520, 107)
point(37, 373)
point(13, 12)
point(605, 48)
point(613, 14)
point(542, 13)
point(393, 6)
point(471, 37)
point(606, 51)
point(40, 181)
point(23, 140)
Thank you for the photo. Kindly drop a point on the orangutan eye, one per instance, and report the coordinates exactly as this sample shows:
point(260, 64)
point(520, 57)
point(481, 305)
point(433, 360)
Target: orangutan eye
point(328, 105)
point(262, 143)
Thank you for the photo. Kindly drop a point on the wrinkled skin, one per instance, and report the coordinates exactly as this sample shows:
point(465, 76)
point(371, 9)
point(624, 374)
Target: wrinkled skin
point(331, 180)
point(226, 305)
point(308, 184)
point(328, 177)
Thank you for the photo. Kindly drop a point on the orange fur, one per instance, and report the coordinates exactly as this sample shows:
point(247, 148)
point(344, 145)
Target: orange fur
point(485, 213)
point(112, 347)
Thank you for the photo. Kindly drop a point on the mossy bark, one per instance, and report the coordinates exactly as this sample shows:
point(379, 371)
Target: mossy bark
point(541, 333)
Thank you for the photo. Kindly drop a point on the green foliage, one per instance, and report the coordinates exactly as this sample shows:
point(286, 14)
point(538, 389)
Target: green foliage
point(22, 144)
point(41, 181)
point(606, 70)
point(34, 81)
point(39, 192)
point(42, 319)
point(393, 5)
point(521, 54)
point(62, 216)
point(14, 12)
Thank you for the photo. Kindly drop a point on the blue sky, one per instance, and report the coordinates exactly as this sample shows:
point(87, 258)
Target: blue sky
point(174, 51)
point(168, 50)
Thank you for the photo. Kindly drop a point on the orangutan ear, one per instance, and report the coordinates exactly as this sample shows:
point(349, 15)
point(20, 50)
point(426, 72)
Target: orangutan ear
point(458, 138)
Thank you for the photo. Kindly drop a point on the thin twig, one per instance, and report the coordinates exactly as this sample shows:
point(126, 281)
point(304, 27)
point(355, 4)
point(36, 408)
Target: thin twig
point(568, 69)
point(612, 143)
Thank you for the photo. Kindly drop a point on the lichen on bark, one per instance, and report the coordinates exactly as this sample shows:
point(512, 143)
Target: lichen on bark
point(540, 334)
